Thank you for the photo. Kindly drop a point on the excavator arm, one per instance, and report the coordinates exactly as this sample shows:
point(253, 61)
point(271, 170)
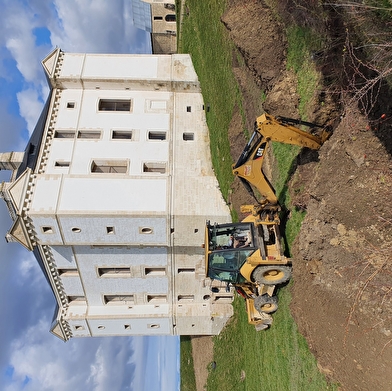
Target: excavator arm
point(268, 128)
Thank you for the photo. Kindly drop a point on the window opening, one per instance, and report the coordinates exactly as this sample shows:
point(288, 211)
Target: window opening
point(113, 271)
point(89, 134)
point(188, 136)
point(170, 18)
point(189, 109)
point(114, 105)
point(118, 299)
point(76, 299)
point(186, 297)
point(109, 166)
point(47, 230)
point(70, 105)
point(68, 272)
point(156, 298)
point(122, 135)
point(110, 230)
point(64, 134)
point(159, 168)
point(156, 135)
point(61, 164)
point(155, 271)
point(186, 270)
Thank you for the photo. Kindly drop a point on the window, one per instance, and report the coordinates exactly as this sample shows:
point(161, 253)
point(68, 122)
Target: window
point(70, 105)
point(89, 134)
point(170, 18)
point(158, 18)
point(78, 328)
point(47, 230)
point(114, 271)
point(66, 133)
point(188, 136)
point(156, 135)
point(110, 230)
point(155, 271)
point(186, 270)
point(188, 109)
point(145, 230)
point(109, 166)
point(114, 105)
point(186, 297)
point(154, 167)
point(68, 272)
point(118, 299)
point(122, 135)
point(153, 326)
point(61, 164)
point(76, 299)
point(156, 298)
point(127, 326)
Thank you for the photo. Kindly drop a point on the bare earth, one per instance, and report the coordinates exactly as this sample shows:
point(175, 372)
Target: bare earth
point(342, 271)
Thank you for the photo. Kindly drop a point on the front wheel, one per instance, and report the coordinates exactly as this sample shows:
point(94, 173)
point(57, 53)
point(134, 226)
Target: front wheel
point(272, 275)
point(267, 304)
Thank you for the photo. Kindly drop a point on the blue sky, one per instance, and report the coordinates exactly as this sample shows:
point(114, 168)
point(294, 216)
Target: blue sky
point(30, 357)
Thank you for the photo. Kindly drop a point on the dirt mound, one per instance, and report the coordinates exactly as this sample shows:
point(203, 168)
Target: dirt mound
point(342, 275)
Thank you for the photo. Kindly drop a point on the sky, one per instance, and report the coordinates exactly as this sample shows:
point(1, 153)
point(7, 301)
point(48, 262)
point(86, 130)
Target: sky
point(31, 358)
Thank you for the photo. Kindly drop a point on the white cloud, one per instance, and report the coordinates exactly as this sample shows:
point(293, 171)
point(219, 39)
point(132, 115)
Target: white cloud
point(30, 106)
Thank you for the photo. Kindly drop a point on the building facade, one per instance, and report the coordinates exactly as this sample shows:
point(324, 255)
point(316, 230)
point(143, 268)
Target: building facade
point(112, 194)
point(159, 18)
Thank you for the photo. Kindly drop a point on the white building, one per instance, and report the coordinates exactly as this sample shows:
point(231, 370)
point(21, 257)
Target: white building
point(112, 194)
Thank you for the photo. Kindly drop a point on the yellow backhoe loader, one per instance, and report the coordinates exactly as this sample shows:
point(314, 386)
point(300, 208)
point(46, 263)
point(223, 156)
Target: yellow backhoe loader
point(249, 255)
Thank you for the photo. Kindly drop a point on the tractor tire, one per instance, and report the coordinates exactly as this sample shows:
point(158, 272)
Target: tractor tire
point(272, 275)
point(267, 304)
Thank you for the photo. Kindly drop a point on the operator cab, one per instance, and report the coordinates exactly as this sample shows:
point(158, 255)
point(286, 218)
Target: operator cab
point(228, 247)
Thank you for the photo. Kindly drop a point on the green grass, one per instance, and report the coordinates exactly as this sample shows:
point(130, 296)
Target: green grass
point(188, 381)
point(301, 44)
point(276, 359)
point(205, 38)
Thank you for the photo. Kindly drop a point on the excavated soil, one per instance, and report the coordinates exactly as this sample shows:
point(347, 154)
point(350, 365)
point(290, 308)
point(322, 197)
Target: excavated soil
point(342, 257)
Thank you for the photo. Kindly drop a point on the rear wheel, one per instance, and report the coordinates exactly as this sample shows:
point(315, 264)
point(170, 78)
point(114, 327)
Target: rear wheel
point(272, 275)
point(267, 304)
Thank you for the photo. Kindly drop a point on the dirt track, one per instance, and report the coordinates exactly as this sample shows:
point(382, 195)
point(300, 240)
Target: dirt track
point(342, 271)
